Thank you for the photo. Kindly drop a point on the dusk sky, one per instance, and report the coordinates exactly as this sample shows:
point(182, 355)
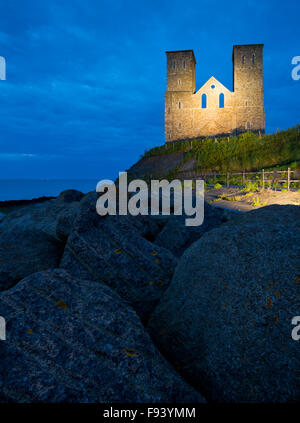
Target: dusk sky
point(84, 95)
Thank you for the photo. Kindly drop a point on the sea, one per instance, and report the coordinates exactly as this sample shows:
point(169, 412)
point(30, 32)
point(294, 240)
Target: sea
point(27, 189)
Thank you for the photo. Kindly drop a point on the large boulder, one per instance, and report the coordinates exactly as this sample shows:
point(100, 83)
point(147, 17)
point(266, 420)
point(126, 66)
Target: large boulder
point(225, 319)
point(177, 237)
point(70, 195)
point(116, 250)
point(40, 216)
point(25, 251)
point(148, 226)
point(65, 221)
point(71, 340)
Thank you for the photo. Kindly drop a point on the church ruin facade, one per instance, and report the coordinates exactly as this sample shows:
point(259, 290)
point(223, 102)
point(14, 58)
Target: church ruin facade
point(213, 109)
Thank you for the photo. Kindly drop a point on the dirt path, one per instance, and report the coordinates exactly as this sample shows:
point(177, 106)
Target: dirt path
point(237, 199)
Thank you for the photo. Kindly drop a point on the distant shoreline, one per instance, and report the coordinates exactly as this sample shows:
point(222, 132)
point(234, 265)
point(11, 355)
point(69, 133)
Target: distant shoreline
point(13, 193)
point(15, 203)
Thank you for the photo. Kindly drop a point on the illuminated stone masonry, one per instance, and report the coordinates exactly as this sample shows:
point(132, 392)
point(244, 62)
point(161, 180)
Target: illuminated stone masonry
point(213, 109)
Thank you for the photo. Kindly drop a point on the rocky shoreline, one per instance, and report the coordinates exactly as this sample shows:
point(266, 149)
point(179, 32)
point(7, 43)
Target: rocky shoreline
point(144, 309)
point(17, 203)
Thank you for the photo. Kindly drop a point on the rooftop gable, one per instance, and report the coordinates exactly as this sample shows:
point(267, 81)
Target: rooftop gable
point(219, 87)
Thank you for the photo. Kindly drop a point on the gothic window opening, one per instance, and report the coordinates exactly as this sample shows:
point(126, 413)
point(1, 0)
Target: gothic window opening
point(174, 65)
point(243, 60)
point(179, 105)
point(184, 64)
point(221, 101)
point(179, 81)
point(204, 101)
point(253, 59)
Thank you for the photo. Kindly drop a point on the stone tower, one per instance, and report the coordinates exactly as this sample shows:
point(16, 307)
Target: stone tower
point(213, 109)
point(181, 71)
point(180, 87)
point(248, 87)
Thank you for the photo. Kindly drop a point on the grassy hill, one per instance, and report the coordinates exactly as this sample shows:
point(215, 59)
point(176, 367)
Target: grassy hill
point(248, 151)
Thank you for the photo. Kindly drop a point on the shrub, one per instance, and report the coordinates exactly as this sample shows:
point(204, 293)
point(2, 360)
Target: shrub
point(250, 186)
point(257, 203)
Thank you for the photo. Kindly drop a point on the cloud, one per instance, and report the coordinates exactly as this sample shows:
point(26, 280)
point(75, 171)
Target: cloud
point(85, 80)
point(16, 156)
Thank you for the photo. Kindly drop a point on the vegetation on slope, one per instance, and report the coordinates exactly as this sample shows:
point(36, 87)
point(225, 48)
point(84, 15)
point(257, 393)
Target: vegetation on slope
point(248, 151)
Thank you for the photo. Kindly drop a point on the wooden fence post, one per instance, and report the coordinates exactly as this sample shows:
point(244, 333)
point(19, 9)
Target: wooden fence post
point(288, 179)
point(263, 179)
point(227, 179)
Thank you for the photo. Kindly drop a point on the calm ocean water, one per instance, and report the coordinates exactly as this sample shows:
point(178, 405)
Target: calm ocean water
point(26, 189)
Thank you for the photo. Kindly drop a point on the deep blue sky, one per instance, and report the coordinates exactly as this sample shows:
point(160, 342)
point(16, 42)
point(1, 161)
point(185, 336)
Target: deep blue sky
point(84, 95)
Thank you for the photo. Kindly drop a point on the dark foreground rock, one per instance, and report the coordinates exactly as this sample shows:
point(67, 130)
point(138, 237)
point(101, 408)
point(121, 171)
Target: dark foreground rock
point(116, 250)
point(177, 237)
point(225, 319)
point(70, 340)
point(65, 221)
point(41, 216)
point(70, 195)
point(25, 251)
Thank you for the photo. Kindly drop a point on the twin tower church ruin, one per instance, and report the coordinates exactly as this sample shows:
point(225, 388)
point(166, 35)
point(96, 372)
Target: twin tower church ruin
point(213, 109)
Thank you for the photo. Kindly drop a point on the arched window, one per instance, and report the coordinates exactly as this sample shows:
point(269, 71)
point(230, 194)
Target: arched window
point(221, 101)
point(174, 65)
point(243, 60)
point(179, 125)
point(184, 64)
point(204, 101)
point(179, 105)
point(179, 81)
point(253, 59)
